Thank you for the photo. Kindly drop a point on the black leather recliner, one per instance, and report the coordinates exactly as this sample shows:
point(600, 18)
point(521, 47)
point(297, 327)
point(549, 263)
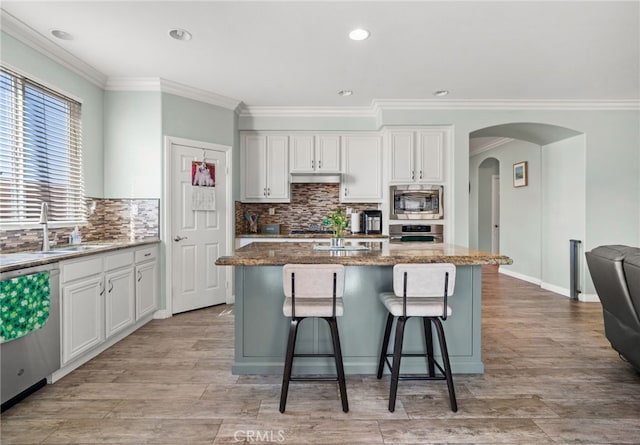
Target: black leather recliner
point(615, 271)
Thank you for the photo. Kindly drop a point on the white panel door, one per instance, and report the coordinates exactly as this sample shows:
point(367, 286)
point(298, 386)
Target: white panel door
point(199, 237)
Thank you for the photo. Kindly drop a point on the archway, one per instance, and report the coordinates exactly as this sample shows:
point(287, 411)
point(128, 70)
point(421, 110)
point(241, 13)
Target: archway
point(539, 219)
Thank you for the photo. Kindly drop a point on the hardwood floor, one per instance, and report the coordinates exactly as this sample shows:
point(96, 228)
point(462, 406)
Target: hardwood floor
point(551, 377)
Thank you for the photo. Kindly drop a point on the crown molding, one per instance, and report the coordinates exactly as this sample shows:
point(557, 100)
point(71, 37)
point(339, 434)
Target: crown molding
point(133, 84)
point(30, 37)
point(263, 111)
point(378, 106)
point(171, 87)
point(533, 104)
point(491, 144)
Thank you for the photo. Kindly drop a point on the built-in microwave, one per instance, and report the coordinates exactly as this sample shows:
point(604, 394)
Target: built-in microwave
point(416, 201)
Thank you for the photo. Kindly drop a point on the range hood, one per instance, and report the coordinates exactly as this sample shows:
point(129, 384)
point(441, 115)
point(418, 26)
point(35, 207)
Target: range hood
point(324, 178)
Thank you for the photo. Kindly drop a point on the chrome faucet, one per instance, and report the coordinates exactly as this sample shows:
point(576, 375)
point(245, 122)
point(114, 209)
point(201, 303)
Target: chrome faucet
point(44, 219)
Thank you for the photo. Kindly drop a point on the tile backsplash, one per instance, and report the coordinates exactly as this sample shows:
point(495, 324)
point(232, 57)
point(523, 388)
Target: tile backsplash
point(107, 220)
point(310, 203)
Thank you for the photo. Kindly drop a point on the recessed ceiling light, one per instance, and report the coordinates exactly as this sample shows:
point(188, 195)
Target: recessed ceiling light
point(345, 92)
point(62, 35)
point(359, 34)
point(180, 34)
point(440, 93)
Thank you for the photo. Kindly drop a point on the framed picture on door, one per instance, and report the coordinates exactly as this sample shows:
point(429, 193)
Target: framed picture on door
point(520, 174)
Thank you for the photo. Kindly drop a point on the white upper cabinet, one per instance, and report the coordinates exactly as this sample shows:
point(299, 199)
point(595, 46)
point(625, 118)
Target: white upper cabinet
point(417, 155)
point(264, 163)
point(314, 154)
point(362, 169)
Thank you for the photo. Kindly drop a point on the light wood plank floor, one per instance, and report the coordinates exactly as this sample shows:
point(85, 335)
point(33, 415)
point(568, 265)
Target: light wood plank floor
point(550, 377)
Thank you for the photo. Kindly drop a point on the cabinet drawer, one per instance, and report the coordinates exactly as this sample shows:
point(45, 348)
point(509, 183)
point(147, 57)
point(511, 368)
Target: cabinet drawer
point(120, 259)
point(146, 254)
point(85, 267)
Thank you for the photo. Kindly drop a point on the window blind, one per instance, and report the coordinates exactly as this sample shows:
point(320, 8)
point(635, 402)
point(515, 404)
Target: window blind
point(40, 153)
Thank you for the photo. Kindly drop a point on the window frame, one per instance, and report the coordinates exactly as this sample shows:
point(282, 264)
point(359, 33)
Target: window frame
point(80, 213)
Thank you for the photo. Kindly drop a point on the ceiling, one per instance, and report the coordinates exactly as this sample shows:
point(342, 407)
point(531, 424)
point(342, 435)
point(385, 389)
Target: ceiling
point(298, 54)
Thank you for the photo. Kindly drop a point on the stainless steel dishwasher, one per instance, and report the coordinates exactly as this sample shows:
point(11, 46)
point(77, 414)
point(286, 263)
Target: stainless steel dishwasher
point(26, 362)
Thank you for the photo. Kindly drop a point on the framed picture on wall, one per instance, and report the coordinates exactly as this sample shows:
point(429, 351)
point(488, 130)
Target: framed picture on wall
point(520, 174)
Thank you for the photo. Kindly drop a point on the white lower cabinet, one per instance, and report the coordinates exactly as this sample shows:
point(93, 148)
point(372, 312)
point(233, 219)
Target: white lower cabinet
point(146, 281)
point(119, 301)
point(103, 297)
point(82, 316)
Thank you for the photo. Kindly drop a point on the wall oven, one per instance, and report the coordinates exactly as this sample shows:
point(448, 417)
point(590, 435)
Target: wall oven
point(416, 202)
point(426, 233)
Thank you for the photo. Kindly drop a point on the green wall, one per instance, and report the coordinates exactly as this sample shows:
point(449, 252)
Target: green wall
point(42, 69)
point(132, 144)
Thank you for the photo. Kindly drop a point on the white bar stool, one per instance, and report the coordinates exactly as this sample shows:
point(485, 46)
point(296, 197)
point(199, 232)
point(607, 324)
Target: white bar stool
point(419, 290)
point(313, 290)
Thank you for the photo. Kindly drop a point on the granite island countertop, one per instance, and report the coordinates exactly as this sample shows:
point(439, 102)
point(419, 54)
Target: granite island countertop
point(378, 253)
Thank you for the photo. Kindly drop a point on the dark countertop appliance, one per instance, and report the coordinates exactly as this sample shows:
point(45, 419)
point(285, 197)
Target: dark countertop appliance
point(371, 222)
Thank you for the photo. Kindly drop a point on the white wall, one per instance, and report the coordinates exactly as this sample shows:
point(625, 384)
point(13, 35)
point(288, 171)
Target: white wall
point(563, 210)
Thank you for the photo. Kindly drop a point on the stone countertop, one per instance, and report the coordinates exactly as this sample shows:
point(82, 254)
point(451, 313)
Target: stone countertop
point(22, 260)
point(379, 253)
point(309, 235)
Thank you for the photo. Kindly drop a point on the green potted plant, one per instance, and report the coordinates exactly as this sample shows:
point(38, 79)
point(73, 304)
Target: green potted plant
point(338, 222)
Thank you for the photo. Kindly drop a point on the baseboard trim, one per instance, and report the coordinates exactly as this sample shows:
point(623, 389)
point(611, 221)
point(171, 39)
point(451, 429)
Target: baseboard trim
point(555, 289)
point(589, 298)
point(162, 314)
point(519, 276)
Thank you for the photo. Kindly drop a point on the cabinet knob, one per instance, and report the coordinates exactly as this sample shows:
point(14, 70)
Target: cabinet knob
point(413, 176)
point(313, 164)
point(139, 276)
point(110, 286)
point(268, 191)
point(420, 174)
point(319, 164)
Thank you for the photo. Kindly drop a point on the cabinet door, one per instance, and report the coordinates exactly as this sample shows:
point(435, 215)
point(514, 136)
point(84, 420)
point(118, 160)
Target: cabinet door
point(146, 288)
point(277, 169)
point(328, 154)
point(82, 316)
point(431, 144)
point(362, 165)
point(401, 149)
point(119, 300)
point(301, 155)
point(253, 167)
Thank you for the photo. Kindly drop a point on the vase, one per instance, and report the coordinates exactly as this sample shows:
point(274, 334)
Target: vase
point(337, 242)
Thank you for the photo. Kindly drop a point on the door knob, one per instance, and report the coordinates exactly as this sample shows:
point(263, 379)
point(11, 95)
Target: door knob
point(180, 238)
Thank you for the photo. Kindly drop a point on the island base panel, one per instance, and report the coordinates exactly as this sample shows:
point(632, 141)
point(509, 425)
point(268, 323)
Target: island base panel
point(261, 329)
